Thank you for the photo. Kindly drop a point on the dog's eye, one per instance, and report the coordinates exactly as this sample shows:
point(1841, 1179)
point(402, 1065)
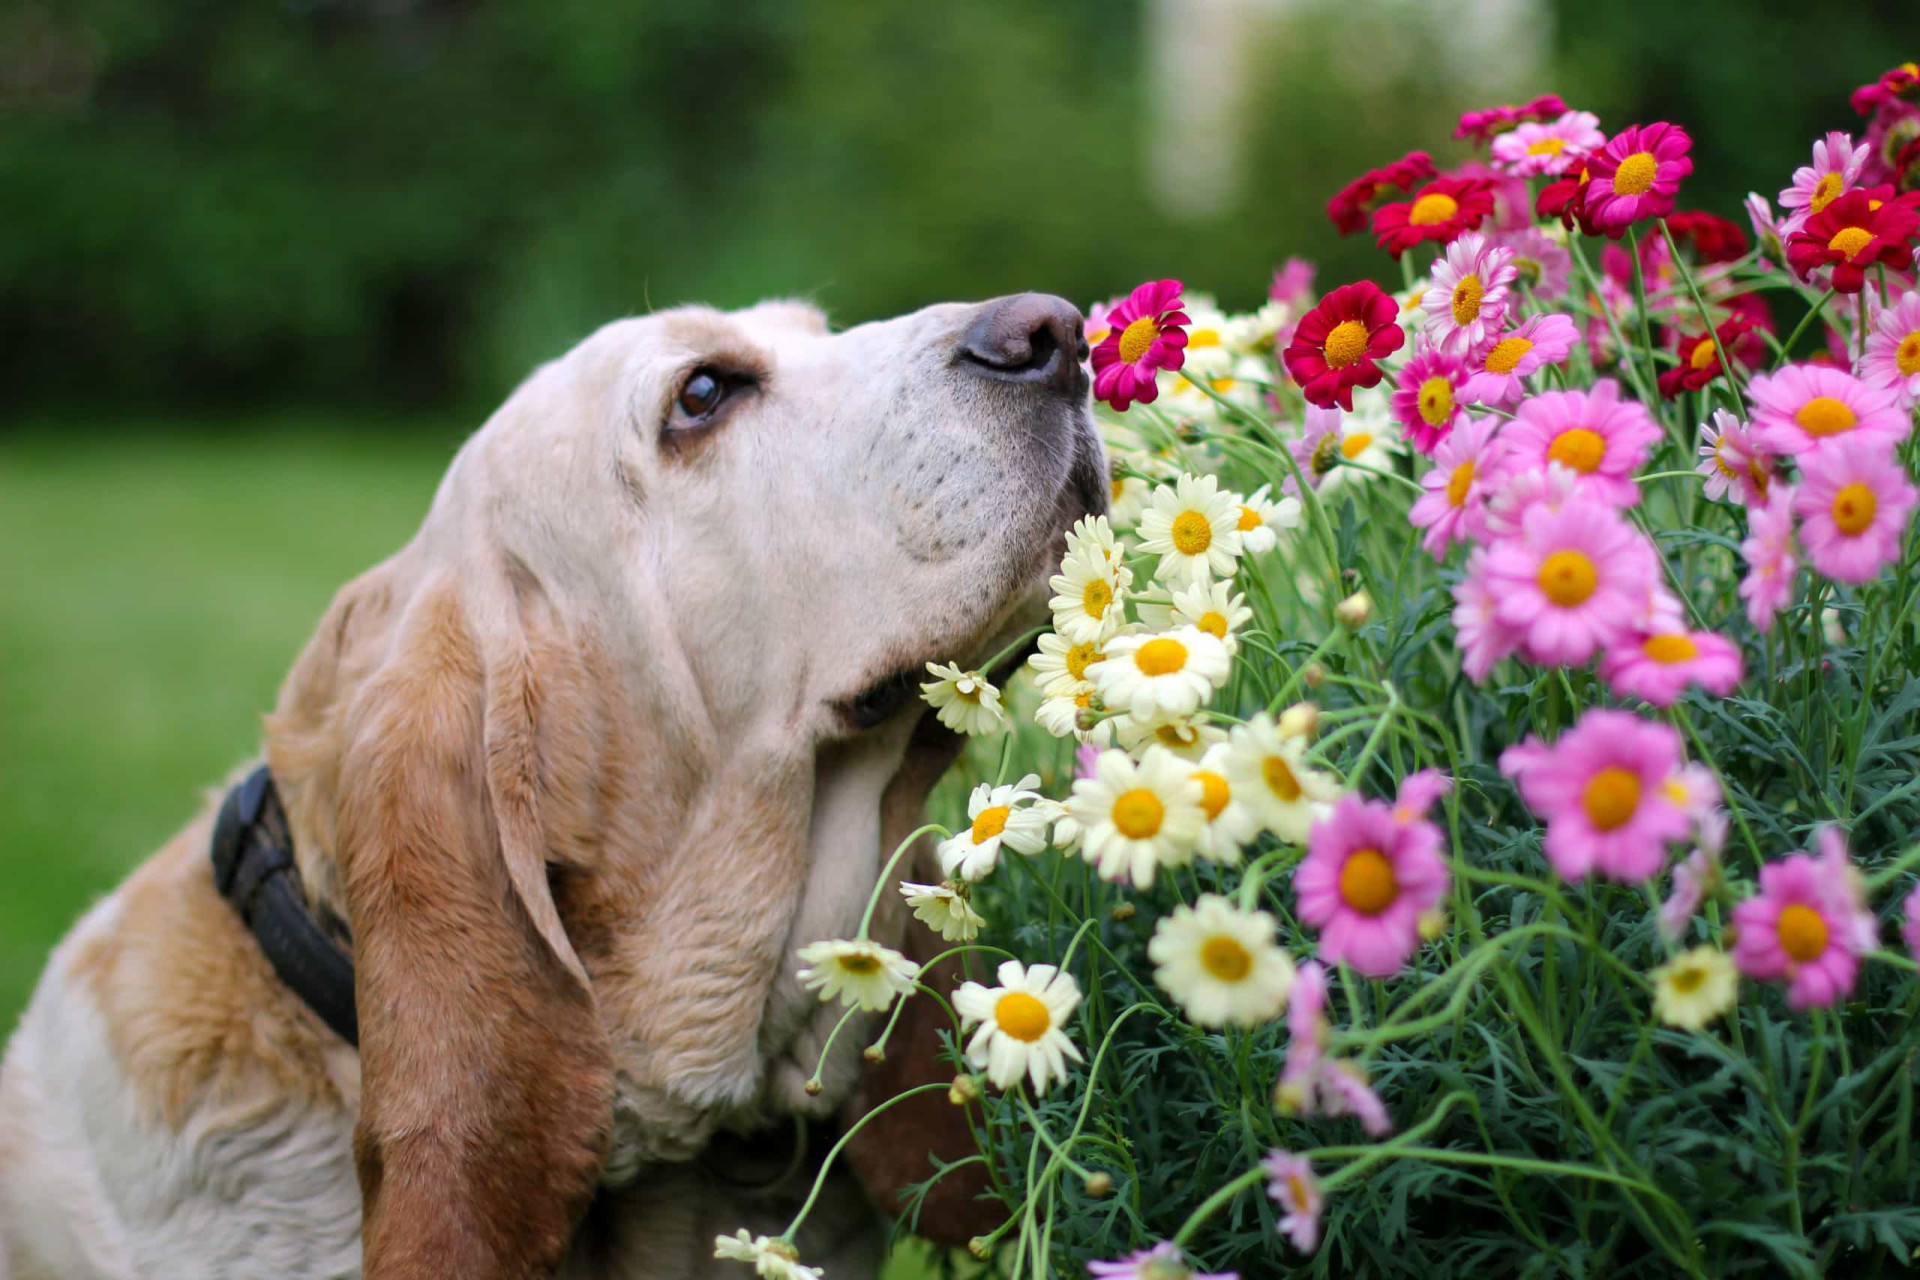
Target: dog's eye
point(879, 700)
point(703, 395)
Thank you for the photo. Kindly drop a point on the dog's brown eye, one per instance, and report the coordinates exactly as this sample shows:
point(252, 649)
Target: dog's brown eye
point(702, 394)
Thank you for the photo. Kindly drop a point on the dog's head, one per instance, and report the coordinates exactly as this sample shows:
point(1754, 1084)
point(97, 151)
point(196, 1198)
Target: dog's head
point(620, 729)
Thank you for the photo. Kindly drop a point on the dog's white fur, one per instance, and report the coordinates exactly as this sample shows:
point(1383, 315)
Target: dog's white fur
point(575, 766)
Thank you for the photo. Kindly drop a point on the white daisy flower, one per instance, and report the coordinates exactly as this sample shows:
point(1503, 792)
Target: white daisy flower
point(860, 972)
point(1253, 332)
point(944, 908)
point(1262, 520)
point(1126, 499)
point(1095, 532)
point(966, 701)
point(1188, 737)
point(1066, 827)
point(1154, 676)
point(1267, 772)
point(1221, 963)
point(771, 1259)
point(1231, 824)
point(1193, 526)
point(1060, 669)
point(1213, 607)
point(1086, 596)
point(1135, 819)
point(1694, 988)
point(1366, 437)
point(1060, 716)
point(1001, 815)
point(1021, 1024)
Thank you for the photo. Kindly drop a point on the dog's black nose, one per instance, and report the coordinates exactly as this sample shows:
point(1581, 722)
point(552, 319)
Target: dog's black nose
point(1029, 337)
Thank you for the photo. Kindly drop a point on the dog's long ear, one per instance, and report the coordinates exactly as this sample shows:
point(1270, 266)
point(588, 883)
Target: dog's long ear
point(486, 1076)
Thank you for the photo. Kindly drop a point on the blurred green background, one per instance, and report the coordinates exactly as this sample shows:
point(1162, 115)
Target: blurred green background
point(263, 264)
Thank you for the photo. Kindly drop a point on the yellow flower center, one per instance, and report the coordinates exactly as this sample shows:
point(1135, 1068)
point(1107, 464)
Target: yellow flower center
point(1202, 338)
point(1825, 416)
point(1177, 737)
point(1467, 297)
point(1704, 355)
point(860, 965)
point(1022, 1016)
point(1568, 578)
point(1080, 657)
point(1801, 931)
point(1138, 813)
point(1907, 358)
point(1853, 509)
point(1355, 445)
point(1192, 533)
point(1505, 356)
point(1459, 483)
point(1547, 147)
point(1850, 240)
point(1720, 459)
point(1578, 448)
point(1119, 487)
point(1824, 192)
point(1298, 1188)
point(1529, 270)
point(1225, 958)
point(1214, 792)
point(1687, 979)
point(1214, 623)
point(1366, 882)
point(1431, 208)
point(1280, 779)
point(1136, 338)
point(990, 823)
point(1670, 648)
point(1160, 657)
point(1635, 175)
point(1095, 597)
point(1611, 797)
point(967, 689)
point(1249, 520)
point(1436, 401)
point(1346, 343)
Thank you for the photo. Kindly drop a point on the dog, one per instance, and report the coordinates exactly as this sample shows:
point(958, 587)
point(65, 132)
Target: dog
point(567, 781)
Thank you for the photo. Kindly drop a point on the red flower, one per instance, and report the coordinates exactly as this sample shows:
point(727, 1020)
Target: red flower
point(1443, 210)
point(1348, 208)
point(1703, 356)
point(1482, 125)
point(1339, 343)
point(1855, 231)
point(1565, 198)
point(1714, 238)
point(1901, 83)
point(1906, 166)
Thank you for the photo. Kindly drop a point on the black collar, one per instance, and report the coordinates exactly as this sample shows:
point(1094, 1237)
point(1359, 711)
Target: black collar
point(253, 869)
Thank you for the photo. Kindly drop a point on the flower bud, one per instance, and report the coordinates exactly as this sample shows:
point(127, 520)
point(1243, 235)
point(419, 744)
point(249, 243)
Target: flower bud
point(813, 1087)
point(1289, 1098)
point(979, 1247)
point(1313, 675)
point(1301, 720)
point(1099, 1183)
point(965, 1089)
point(1433, 924)
point(1353, 612)
point(874, 1053)
point(1121, 911)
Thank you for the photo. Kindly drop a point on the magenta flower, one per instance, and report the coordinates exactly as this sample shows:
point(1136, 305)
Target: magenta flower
point(1482, 638)
point(1892, 360)
point(1467, 301)
point(1804, 406)
point(1293, 284)
point(1658, 668)
point(1498, 369)
point(1910, 926)
point(1771, 562)
point(1692, 878)
point(1453, 508)
point(1797, 928)
point(1426, 399)
point(1572, 581)
point(1735, 468)
point(1602, 791)
point(1533, 149)
point(1295, 1189)
point(1540, 262)
point(1146, 333)
point(1306, 1029)
point(1853, 503)
point(1599, 435)
point(1636, 175)
point(1364, 882)
point(1162, 1262)
point(1835, 170)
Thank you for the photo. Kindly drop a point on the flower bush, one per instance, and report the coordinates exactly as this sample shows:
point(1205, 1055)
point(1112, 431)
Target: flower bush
point(1461, 817)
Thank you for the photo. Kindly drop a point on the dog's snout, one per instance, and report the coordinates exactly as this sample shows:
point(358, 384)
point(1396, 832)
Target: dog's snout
point(1029, 337)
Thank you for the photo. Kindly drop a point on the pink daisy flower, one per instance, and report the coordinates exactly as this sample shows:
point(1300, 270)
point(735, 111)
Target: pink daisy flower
point(1345, 1092)
point(1517, 491)
point(1804, 406)
point(1316, 450)
point(1771, 562)
point(1453, 507)
point(1835, 169)
point(1853, 502)
point(1796, 930)
point(1892, 360)
point(1293, 284)
point(1766, 232)
point(1482, 638)
point(1145, 334)
point(1602, 791)
point(1636, 175)
point(1693, 878)
point(1468, 297)
point(1540, 262)
point(1364, 882)
point(1426, 399)
point(1572, 581)
point(1306, 1027)
point(1534, 149)
point(1162, 1262)
point(1735, 468)
point(1848, 889)
point(1602, 437)
point(1294, 1188)
point(1498, 369)
point(1910, 927)
point(1659, 667)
